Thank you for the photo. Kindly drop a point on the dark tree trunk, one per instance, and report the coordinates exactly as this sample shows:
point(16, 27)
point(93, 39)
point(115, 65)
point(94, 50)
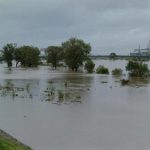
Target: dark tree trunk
point(17, 64)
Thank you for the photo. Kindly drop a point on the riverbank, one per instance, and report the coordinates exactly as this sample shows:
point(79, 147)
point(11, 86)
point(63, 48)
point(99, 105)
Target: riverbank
point(7, 142)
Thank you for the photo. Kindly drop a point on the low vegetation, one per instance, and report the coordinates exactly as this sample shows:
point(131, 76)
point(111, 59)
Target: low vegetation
point(102, 70)
point(124, 82)
point(117, 72)
point(137, 69)
point(60, 95)
point(89, 66)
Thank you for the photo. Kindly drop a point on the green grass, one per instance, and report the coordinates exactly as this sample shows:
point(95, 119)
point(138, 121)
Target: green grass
point(11, 144)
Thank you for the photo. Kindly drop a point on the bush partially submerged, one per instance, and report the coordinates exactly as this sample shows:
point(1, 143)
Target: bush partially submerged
point(137, 69)
point(117, 71)
point(89, 66)
point(124, 81)
point(60, 94)
point(102, 70)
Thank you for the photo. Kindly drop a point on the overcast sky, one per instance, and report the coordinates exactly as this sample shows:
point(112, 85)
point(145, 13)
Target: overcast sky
point(108, 25)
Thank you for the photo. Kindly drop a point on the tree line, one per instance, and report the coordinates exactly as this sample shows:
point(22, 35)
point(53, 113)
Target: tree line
point(74, 52)
point(27, 56)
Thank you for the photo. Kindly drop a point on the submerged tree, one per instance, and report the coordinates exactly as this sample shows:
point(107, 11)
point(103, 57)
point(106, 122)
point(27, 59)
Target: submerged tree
point(137, 68)
point(117, 71)
point(89, 66)
point(76, 51)
point(28, 56)
point(102, 70)
point(54, 55)
point(112, 55)
point(8, 53)
point(18, 56)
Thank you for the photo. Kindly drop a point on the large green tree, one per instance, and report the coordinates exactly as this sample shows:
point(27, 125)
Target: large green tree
point(28, 56)
point(8, 53)
point(18, 56)
point(76, 51)
point(54, 55)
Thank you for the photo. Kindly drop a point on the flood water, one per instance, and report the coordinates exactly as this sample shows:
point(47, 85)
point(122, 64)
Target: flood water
point(60, 110)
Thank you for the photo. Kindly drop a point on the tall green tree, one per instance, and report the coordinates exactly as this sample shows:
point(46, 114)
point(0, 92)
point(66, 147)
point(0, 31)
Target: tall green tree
point(54, 55)
point(8, 53)
point(28, 56)
point(76, 51)
point(18, 56)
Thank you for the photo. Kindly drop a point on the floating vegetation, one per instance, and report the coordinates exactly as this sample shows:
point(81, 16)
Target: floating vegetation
point(66, 84)
point(54, 93)
point(20, 89)
point(49, 99)
point(50, 82)
point(117, 72)
point(51, 91)
point(28, 87)
point(60, 94)
point(88, 89)
point(104, 82)
point(50, 94)
point(78, 97)
point(77, 101)
point(124, 82)
point(13, 91)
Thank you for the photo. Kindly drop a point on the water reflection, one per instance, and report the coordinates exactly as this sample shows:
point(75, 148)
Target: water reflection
point(69, 89)
point(18, 88)
point(139, 82)
point(91, 111)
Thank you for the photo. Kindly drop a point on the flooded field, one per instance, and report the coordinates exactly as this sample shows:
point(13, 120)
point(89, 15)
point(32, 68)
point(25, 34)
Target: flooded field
point(60, 110)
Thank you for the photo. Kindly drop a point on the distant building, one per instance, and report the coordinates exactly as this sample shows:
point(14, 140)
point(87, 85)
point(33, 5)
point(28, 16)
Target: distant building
point(141, 52)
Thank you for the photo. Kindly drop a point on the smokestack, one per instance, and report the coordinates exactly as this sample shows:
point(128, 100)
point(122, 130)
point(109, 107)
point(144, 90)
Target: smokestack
point(139, 48)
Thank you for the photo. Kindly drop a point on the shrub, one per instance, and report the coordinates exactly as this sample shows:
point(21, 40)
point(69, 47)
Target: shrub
point(137, 69)
point(89, 66)
point(112, 55)
point(102, 70)
point(124, 81)
point(117, 71)
point(60, 94)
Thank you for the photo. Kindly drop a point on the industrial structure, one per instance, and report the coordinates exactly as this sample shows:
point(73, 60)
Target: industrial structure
point(141, 52)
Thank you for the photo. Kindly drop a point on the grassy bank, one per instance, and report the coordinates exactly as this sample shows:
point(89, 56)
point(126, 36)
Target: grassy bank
point(7, 142)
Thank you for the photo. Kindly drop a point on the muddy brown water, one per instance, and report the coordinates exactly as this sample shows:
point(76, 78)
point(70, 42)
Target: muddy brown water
point(95, 111)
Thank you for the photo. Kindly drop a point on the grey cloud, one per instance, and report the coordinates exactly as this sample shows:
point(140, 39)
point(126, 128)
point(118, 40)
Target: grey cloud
point(109, 25)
